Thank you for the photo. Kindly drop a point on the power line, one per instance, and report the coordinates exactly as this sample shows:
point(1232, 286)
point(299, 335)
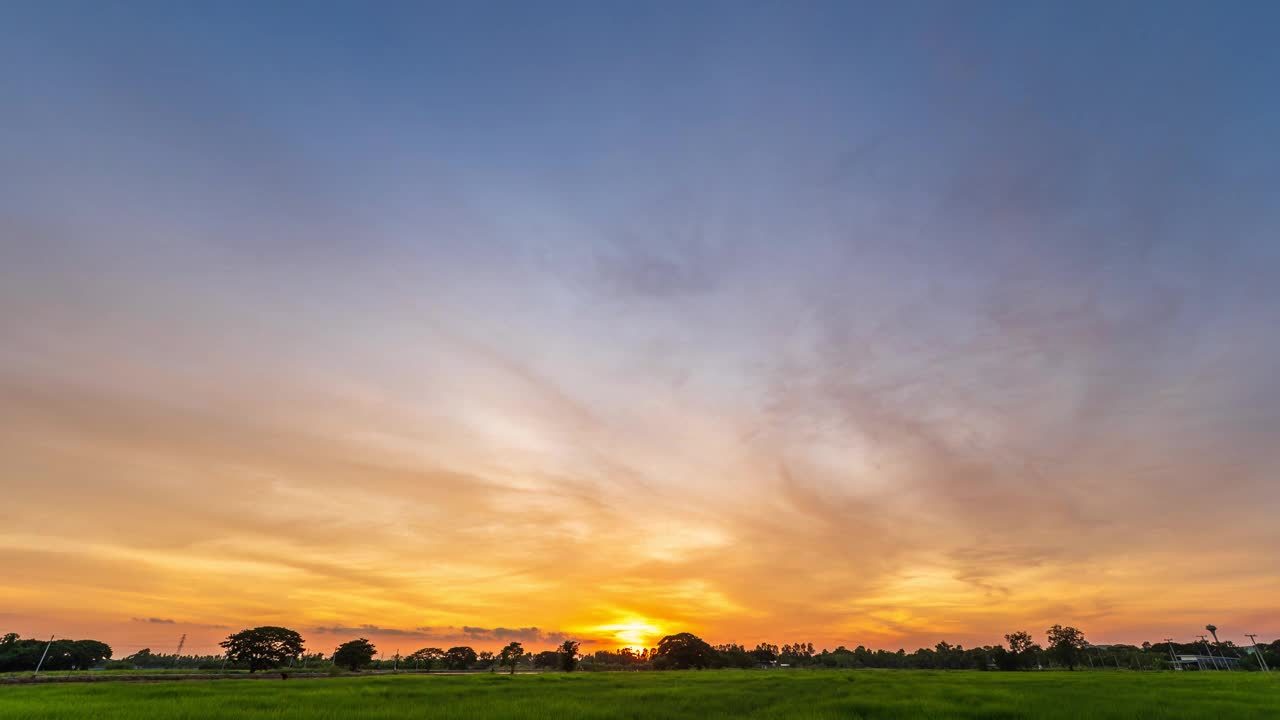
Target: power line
point(43, 656)
point(1205, 642)
point(1262, 660)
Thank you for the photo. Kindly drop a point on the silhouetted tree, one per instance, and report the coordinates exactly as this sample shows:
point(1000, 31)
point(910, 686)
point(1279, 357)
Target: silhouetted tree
point(426, 656)
point(263, 647)
point(733, 655)
point(682, 651)
point(511, 655)
point(765, 653)
point(545, 659)
point(569, 655)
point(1022, 651)
point(17, 654)
point(354, 654)
point(82, 654)
point(1065, 645)
point(459, 658)
point(140, 659)
point(1003, 659)
point(797, 654)
point(1019, 642)
point(622, 659)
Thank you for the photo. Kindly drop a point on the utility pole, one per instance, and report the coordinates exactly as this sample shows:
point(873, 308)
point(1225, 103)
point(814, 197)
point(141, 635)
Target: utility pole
point(1171, 655)
point(42, 657)
point(1262, 660)
point(1205, 642)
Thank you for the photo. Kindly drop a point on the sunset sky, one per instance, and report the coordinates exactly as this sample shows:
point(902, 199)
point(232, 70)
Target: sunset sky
point(874, 324)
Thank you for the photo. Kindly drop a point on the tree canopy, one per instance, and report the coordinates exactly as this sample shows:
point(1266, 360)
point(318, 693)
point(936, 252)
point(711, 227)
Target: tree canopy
point(263, 647)
point(765, 653)
point(682, 651)
point(1066, 645)
point(511, 655)
point(17, 654)
point(427, 656)
point(354, 654)
point(568, 655)
point(549, 659)
point(1019, 642)
point(459, 658)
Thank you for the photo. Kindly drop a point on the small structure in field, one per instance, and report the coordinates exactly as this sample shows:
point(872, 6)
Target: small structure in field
point(1205, 662)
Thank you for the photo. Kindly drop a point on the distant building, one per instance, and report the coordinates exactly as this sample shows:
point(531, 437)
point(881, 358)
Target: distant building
point(1205, 662)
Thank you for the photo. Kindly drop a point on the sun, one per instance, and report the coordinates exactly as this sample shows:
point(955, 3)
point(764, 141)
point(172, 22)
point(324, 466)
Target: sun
point(634, 633)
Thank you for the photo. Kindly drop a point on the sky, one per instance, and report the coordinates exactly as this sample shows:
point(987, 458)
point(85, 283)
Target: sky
point(851, 323)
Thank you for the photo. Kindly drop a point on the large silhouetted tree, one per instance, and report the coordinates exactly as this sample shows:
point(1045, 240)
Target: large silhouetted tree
point(1065, 645)
point(84, 654)
point(354, 654)
point(459, 658)
point(682, 651)
point(263, 647)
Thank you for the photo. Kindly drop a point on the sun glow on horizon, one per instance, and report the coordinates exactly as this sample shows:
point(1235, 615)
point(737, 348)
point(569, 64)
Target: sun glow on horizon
point(634, 633)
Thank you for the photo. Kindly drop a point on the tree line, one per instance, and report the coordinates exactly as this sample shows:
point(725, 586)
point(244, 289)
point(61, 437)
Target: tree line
point(272, 647)
point(17, 655)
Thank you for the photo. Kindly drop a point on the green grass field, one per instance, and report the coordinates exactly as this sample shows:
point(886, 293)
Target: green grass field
point(712, 694)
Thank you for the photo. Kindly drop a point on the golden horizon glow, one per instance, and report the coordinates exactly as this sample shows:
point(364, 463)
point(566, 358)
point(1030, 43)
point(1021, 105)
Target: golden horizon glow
point(632, 633)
